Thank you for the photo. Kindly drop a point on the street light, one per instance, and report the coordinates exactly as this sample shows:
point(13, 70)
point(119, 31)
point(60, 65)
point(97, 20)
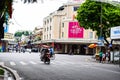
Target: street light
point(101, 27)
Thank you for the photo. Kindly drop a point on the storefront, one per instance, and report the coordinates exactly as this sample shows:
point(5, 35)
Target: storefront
point(76, 46)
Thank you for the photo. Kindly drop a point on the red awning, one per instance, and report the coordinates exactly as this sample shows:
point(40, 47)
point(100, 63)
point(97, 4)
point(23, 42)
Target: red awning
point(45, 46)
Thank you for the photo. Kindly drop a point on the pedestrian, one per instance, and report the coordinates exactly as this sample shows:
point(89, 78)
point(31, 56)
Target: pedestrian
point(100, 56)
point(70, 52)
point(103, 57)
point(51, 51)
point(108, 55)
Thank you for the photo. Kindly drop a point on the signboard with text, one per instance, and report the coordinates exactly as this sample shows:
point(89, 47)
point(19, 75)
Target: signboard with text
point(75, 31)
point(115, 32)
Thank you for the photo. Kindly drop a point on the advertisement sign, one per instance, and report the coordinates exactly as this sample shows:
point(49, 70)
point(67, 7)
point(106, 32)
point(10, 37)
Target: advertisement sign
point(115, 32)
point(75, 31)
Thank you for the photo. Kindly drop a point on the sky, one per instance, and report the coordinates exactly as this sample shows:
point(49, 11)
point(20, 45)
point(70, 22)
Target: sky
point(28, 16)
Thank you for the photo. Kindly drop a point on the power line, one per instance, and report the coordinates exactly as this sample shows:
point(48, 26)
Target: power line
point(16, 22)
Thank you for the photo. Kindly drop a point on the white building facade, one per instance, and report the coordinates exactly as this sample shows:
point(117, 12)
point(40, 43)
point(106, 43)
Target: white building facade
point(62, 30)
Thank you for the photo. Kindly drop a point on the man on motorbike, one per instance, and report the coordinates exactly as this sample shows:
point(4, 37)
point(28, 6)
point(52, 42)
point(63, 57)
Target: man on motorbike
point(45, 56)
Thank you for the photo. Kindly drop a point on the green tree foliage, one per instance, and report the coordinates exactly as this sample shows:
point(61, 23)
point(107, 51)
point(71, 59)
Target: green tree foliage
point(20, 33)
point(97, 16)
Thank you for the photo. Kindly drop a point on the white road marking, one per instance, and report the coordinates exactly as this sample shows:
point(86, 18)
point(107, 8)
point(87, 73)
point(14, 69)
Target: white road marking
point(12, 63)
point(23, 63)
point(1, 63)
point(32, 62)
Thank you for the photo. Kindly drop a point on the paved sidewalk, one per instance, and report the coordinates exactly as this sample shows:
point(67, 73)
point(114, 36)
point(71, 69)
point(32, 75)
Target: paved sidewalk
point(9, 73)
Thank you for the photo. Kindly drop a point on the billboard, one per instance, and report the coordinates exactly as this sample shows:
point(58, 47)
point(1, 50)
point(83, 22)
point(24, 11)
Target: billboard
point(115, 32)
point(74, 30)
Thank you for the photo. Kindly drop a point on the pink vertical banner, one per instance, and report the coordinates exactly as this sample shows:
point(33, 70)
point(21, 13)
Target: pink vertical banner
point(75, 31)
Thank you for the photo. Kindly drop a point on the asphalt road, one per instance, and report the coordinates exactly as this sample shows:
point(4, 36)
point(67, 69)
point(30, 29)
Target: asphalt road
point(64, 67)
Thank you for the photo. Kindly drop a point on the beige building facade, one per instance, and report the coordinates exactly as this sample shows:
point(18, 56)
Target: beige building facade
point(62, 30)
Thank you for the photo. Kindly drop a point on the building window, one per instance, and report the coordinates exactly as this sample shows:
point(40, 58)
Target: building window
point(91, 35)
point(62, 34)
point(63, 25)
point(50, 19)
point(45, 22)
point(75, 8)
point(50, 27)
point(49, 36)
point(47, 28)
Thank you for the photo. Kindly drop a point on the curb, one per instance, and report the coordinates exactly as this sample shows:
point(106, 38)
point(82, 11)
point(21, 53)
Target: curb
point(13, 72)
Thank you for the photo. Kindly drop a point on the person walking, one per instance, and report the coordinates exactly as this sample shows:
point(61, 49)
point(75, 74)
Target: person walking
point(51, 51)
point(100, 56)
point(103, 57)
point(108, 55)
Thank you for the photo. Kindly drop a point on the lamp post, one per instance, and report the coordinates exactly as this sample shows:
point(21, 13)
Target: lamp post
point(101, 27)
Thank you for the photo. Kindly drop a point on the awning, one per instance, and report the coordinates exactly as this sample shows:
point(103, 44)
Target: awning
point(45, 46)
point(92, 45)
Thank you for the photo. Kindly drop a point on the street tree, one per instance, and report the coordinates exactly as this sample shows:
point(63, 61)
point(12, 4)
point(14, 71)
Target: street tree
point(99, 16)
point(20, 33)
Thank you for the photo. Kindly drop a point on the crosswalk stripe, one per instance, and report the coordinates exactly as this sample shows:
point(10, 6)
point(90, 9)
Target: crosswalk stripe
point(60, 62)
point(23, 63)
point(12, 63)
point(32, 62)
point(1, 63)
point(52, 62)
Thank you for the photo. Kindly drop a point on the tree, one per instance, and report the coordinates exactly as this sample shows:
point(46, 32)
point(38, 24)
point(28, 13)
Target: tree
point(5, 8)
point(99, 16)
point(20, 33)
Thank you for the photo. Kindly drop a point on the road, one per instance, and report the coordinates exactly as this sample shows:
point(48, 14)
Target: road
point(64, 67)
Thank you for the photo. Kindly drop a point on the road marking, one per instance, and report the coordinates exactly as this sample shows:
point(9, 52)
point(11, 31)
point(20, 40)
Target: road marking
point(12, 63)
point(62, 63)
point(1, 63)
point(32, 62)
point(23, 63)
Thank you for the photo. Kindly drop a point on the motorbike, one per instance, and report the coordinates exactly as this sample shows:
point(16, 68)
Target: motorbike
point(45, 56)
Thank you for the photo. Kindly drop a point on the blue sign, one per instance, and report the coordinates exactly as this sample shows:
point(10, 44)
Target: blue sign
point(100, 43)
point(6, 28)
point(101, 38)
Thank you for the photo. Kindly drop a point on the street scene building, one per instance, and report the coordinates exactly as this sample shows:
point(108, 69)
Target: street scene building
point(62, 30)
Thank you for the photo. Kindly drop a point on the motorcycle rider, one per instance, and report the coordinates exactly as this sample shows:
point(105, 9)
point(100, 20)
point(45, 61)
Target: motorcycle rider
point(45, 56)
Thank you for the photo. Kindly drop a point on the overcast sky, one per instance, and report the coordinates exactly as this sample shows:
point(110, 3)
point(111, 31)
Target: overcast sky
point(28, 16)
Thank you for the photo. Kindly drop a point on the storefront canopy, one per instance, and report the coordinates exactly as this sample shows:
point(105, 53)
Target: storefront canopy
point(92, 45)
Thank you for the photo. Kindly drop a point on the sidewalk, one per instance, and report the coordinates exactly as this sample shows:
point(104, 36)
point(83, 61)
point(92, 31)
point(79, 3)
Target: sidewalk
point(9, 74)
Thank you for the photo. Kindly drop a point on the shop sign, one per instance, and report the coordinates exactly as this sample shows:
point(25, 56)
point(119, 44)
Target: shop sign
point(115, 32)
